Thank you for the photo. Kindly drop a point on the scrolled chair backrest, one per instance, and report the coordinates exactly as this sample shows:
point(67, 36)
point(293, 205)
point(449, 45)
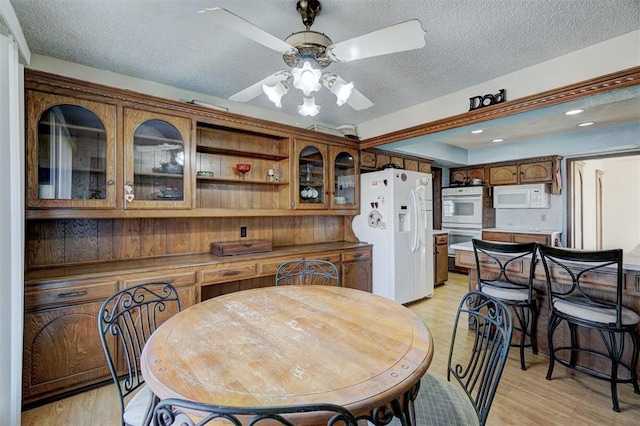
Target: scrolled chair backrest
point(308, 272)
point(180, 412)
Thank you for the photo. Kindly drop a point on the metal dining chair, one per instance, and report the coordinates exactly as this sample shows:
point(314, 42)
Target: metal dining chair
point(499, 267)
point(125, 322)
point(308, 272)
point(180, 412)
point(474, 368)
point(571, 302)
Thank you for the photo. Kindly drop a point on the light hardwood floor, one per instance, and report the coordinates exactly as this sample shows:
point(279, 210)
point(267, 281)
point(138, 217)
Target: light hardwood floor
point(523, 397)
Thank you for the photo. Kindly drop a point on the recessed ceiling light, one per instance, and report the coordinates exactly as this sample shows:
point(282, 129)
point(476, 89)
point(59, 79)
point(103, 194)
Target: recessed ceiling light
point(574, 112)
point(498, 140)
point(586, 123)
point(477, 131)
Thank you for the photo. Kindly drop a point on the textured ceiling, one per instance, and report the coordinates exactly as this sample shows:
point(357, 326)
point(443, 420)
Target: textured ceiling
point(467, 42)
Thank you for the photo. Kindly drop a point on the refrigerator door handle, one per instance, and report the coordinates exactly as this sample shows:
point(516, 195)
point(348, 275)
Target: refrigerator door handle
point(415, 222)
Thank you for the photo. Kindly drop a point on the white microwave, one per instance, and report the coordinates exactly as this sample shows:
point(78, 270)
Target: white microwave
point(533, 196)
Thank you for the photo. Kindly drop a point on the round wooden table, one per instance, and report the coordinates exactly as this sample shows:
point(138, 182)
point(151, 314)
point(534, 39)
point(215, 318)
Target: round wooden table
point(288, 345)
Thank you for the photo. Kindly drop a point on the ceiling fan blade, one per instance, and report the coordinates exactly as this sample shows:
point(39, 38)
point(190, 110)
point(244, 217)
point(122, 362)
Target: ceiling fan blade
point(245, 28)
point(395, 38)
point(255, 90)
point(358, 101)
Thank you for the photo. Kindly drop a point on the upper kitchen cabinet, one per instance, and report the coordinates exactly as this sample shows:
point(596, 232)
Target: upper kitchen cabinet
point(521, 173)
point(71, 153)
point(461, 176)
point(311, 184)
point(156, 166)
point(220, 183)
point(345, 178)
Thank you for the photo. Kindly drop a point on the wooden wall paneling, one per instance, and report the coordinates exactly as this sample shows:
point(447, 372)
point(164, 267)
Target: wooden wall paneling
point(286, 230)
point(327, 228)
point(209, 233)
point(45, 243)
point(127, 239)
point(178, 235)
point(81, 240)
point(153, 240)
point(105, 239)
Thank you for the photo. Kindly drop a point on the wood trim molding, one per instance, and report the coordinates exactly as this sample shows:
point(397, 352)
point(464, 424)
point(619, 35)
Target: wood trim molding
point(43, 81)
point(617, 80)
point(398, 155)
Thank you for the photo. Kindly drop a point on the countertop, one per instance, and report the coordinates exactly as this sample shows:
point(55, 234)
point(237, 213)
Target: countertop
point(630, 260)
point(439, 232)
point(524, 230)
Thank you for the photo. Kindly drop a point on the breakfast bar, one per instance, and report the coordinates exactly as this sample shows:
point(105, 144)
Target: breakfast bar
point(602, 286)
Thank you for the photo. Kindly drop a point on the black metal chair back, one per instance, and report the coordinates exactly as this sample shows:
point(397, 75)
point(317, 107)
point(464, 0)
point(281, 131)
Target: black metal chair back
point(179, 412)
point(308, 272)
point(478, 369)
point(569, 274)
point(500, 268)
point(125, 322)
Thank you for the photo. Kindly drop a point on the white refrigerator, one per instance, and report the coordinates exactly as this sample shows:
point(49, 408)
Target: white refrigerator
point(396, 216)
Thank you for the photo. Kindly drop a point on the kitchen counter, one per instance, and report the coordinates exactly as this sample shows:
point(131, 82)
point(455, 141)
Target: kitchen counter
point(439, 232)
point(524, 230)
point(630, 260)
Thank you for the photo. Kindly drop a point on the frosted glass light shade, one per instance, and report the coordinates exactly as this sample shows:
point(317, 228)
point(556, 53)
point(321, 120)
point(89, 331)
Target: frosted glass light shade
point(342, 91)
point(275, 92)
point(309, 107)
point(306, 78)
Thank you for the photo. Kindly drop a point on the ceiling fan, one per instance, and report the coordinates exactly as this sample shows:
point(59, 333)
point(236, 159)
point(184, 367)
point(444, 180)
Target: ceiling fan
point(309, 52)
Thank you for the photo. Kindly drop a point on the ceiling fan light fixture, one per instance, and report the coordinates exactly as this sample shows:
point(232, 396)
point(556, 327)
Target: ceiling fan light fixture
point(338, 87)
point(309, 107)
point(276, 92)
point(306, 78)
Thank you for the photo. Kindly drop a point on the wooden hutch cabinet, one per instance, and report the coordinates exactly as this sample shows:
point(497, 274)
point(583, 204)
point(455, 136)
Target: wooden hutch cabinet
point(125, 188)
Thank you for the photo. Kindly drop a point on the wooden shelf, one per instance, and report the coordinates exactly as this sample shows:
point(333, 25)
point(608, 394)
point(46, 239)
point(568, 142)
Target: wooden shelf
point(238, 181)
point(239, 153)
point(159, 175)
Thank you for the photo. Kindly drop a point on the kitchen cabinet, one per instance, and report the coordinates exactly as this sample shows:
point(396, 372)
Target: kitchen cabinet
point(71, 152)
point(356, 269)
point(311, 188)
point(219, 185)
point(440, 258)
point(511, 174)
point(518, 237)
point(367, 161)
point(345, 178)
point(62, 348)
point(156, 166)
point(464, 175)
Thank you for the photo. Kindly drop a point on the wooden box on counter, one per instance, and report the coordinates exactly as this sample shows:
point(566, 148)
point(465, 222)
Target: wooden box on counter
point(230, 248)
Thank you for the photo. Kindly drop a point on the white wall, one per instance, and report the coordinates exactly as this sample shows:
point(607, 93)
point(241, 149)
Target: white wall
point(603, 58)
point(13, 50)
point(621, 199)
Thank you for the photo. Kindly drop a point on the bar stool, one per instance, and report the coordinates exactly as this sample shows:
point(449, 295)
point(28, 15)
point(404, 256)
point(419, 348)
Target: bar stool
point(568, 273)
point(499, 266)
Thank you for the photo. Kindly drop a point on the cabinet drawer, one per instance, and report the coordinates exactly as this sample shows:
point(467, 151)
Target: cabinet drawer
point(441, 239)
point(270, 268)
point(329, 257)
point(466, 259)
point(504, 237)
point(208, 276)
point(178, 279)
point(68, 295)
point(528, 238)
point(353, 256)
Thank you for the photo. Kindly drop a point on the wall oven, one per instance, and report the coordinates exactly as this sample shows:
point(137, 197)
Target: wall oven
point(462, 206)
point(461, 234)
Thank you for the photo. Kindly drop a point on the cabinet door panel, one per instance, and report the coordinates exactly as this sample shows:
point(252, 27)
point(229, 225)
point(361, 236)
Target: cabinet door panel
point(357, 275)
point(503, 175)
point(536, 172)
point(62, 350)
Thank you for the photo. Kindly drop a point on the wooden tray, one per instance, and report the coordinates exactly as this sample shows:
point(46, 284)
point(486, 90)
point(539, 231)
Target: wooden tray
point(230, 248)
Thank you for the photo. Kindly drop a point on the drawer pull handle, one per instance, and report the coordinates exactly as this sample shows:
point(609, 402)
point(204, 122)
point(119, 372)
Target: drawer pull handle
point(355, 256)
point(230, 273)
point(72, 294)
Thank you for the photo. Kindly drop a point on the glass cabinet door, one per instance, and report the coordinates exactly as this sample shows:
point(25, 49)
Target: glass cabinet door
point(157, 166)
point(311, 180)
point(71, 153)
point(345, 178)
